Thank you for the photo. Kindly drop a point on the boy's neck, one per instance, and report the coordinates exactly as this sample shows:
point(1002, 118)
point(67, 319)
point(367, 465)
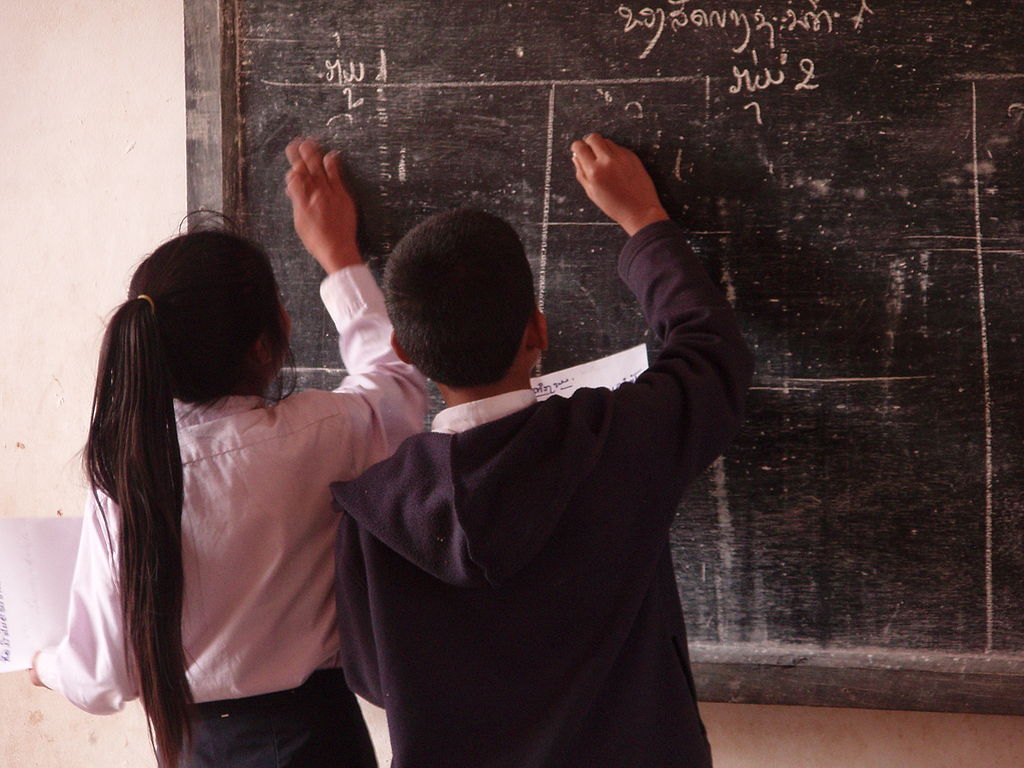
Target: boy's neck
point(533, 343)
point(460, 395)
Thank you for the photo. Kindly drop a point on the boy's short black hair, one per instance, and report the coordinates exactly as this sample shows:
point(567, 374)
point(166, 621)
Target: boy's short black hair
point(459, 292)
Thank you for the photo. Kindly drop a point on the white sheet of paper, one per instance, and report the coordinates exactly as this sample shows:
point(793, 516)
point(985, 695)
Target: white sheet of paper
point(605, 372)
point(37, 560)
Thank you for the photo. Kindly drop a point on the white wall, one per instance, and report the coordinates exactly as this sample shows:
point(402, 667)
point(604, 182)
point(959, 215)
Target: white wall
point(93, 136)
point(92, 130)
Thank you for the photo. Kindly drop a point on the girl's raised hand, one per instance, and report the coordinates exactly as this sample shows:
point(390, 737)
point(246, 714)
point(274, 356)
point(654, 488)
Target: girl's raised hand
point(323, 210)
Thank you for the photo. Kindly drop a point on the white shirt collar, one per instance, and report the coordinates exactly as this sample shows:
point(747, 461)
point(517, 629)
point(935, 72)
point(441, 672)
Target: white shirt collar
point(459, 418)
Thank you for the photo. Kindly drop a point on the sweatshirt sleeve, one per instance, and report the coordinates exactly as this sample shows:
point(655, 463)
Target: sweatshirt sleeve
point(89, 666)
point(392, 393)
point(689, 403)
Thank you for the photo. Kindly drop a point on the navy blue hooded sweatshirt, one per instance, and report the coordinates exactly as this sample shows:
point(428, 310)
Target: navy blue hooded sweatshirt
point(507, 593)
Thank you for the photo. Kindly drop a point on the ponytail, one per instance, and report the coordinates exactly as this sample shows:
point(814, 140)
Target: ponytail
point(202, 301)
point(132, 455)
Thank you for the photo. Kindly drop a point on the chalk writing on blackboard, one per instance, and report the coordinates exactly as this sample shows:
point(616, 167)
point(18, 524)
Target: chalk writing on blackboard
point(766, 47)
point(762, 39)
point(346, 73)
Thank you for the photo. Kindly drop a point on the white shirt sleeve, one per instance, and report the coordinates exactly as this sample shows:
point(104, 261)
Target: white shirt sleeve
point(392, 391)
point(90, 665)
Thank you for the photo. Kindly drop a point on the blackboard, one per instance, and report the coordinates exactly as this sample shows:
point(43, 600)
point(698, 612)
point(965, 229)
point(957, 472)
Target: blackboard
point(853, 174)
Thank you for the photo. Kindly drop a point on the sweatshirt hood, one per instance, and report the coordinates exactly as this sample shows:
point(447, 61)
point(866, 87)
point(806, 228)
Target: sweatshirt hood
point(473, 509)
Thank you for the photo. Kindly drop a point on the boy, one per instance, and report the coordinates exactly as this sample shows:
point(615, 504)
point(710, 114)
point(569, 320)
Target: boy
point(505, 583)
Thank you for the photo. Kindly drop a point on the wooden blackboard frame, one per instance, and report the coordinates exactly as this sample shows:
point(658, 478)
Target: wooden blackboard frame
point(747, 673)
point(212, 108)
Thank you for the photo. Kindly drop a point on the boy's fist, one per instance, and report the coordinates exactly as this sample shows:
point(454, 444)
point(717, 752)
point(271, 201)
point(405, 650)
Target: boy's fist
point(617, 183)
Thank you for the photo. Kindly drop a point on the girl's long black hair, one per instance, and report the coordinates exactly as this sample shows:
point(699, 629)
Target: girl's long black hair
point(212, 326)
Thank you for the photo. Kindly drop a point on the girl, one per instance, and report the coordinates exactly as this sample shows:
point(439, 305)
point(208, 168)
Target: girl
point(204, 583)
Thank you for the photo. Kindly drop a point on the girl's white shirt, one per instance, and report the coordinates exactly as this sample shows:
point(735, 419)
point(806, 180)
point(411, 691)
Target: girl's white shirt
point(257, 526)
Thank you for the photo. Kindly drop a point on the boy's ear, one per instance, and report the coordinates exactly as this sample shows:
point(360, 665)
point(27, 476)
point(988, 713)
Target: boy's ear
point(536, 335)
point(398, 349)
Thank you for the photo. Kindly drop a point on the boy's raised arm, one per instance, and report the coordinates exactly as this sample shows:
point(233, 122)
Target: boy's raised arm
point(616, 182)
point(690, 401)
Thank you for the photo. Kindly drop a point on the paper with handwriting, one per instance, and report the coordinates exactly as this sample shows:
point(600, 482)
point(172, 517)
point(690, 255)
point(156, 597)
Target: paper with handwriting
point(607, 372)
point(37, 560)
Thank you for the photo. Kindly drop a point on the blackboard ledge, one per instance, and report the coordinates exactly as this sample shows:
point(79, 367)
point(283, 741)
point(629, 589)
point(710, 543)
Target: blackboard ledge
point(870, 678)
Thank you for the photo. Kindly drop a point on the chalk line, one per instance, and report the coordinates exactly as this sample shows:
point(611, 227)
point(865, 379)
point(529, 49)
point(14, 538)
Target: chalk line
point(983, 318)
point(849, 380)
point(974, 76)
point(972, 237)
point(707, 103)
point(975, 250)
point(542, 278)
point(278, 40)
point(724, 588)
point(582, 224)
point(332, 371)
point(494, 83)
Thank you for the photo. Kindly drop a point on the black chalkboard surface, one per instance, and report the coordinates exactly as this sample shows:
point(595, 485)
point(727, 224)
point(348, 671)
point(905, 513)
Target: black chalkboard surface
point(853, 173)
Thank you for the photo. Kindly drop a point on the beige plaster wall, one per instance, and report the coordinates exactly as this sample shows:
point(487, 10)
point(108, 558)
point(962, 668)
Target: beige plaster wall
point(92, 135)
point(93, 144)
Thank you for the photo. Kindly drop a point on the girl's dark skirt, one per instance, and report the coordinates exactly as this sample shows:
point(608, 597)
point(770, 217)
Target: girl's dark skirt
point(317, 725)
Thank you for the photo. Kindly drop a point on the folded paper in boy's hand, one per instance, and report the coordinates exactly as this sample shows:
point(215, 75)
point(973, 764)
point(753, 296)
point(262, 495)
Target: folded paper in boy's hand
point(607, 372)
